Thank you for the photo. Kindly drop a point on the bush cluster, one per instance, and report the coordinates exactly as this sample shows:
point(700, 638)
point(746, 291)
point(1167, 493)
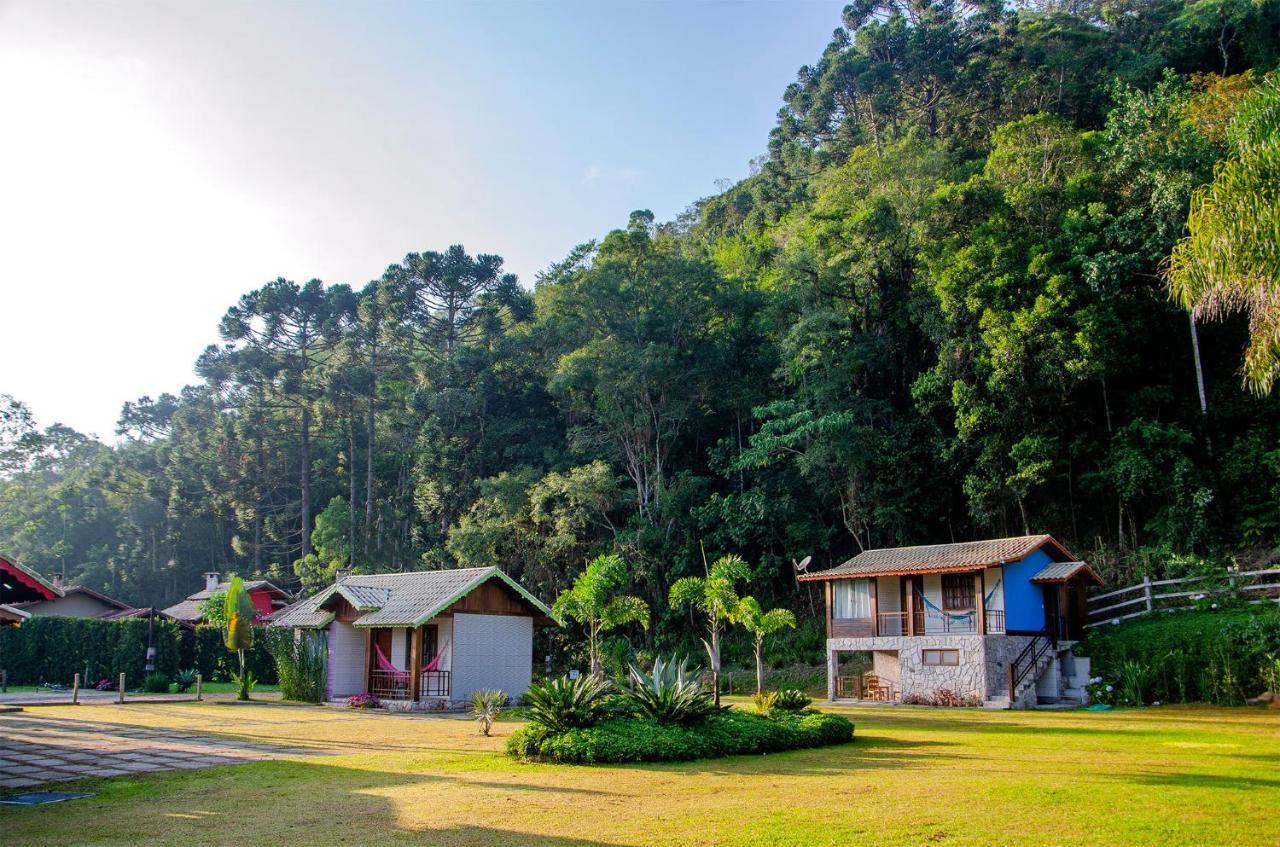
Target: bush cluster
point(1217, 656)
point(54, 649)
point(210, 656)
point(723, 733)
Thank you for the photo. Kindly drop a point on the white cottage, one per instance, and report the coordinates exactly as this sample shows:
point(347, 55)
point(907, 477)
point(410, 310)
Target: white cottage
point(430, 637)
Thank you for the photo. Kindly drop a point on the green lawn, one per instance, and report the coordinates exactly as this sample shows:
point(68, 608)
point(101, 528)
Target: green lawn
point(1164, 776)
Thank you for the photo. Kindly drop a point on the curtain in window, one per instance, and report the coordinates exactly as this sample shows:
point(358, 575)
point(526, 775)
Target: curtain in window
point(852, 599)
point(957, 591)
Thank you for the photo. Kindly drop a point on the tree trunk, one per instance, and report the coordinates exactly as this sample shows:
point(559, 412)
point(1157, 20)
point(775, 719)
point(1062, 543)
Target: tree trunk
point(351, 488)
point(244, 680)
point(759, 665)
point(368, 478)
point(1204, 402)
point(306, 479)
point(715, 664)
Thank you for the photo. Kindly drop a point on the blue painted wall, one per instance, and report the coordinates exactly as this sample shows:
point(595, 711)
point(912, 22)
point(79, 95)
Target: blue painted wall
point(1024, 600)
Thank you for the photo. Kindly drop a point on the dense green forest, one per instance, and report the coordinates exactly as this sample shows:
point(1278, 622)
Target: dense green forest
point(936, 310)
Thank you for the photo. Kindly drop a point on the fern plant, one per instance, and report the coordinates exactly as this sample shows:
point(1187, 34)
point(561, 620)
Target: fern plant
point(565, 703)
point(670, 693)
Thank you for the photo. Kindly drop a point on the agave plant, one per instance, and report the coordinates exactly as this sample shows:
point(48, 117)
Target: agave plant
point(671, 693)
point(565, 703)
point(486, 705)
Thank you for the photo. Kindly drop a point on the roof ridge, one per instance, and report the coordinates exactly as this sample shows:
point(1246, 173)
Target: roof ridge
point(958, 543)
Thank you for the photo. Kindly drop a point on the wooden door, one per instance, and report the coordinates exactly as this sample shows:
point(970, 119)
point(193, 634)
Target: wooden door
point(913, 593)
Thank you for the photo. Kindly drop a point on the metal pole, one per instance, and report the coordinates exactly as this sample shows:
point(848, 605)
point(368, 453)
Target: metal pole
point(151, 649)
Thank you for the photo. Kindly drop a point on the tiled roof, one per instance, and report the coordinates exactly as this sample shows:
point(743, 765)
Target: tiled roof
point(189, 609)
point(303, 614)
point(399, 599)
point(11, 613)
point(1063, 571)
point(939, 558)
point(24, 571)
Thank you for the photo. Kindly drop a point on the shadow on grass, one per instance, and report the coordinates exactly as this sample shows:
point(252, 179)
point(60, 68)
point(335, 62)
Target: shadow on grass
point(1205, 780)
point(187, 807)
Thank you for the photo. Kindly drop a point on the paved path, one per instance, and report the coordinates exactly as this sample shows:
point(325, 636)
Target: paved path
point(35, 749)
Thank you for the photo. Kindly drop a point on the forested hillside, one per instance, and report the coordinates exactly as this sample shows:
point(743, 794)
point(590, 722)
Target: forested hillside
point(935, 311)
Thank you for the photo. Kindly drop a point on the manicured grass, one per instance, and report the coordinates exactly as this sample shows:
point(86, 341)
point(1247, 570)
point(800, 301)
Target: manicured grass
point(1167, 776)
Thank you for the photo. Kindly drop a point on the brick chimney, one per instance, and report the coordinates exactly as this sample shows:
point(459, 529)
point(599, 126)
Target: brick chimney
point(211, 581)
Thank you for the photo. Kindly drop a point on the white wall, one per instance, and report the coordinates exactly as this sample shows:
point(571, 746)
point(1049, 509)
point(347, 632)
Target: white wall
point(933, 591)
point(399, 654)
point(444, 643)
point(346, 660)
point(491, 651)
point(995, 587)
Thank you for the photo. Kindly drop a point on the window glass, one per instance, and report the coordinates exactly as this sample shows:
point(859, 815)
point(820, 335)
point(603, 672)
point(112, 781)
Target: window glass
point(957, 591)
point(940, 657)
point(852, 599)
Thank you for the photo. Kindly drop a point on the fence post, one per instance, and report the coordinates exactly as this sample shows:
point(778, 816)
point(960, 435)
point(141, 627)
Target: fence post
point(75, 691)
point(1146, 593)
point(199, 683)
point(121, 684)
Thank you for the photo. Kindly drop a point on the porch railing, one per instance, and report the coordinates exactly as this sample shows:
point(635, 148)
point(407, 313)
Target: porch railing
point(394, 685)
point(389, 685)
point(933, 623)
point(434, 684)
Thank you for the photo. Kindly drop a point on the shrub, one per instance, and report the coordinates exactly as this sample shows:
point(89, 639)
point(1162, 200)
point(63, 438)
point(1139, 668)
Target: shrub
point(300, 664)
point(156, 683)
point(185, 679)
point(792, 700)
point(54, 649)
point(1133, 682)
point(362, 701)
point(210, 657)
point(486, 705)
point(765, 702)
point(721, 733)
point(942, 697)
point(566, 703)
point(669, 694)
point(1217, 656)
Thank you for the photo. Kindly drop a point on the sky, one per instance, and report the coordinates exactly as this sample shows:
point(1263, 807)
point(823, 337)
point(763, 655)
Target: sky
point(159, 159)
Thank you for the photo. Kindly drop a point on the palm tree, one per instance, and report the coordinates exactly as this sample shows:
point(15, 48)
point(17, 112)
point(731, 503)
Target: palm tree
point(715, 596)
point(1230, 259)
point(591, 602)
point(237, 629)
point(761, 624)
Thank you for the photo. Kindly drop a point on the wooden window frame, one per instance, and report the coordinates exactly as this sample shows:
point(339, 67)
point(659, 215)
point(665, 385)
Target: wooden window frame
point(943, 653)
point(962, 587)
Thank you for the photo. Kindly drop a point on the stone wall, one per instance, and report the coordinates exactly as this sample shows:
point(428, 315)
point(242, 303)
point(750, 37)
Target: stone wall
point(968, 678)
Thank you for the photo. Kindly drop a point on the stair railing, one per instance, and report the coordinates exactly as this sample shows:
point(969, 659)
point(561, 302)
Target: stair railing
point(1027, 661)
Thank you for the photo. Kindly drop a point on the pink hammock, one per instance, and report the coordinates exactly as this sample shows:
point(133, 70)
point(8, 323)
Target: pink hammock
point(384, 664)
point(434, 664)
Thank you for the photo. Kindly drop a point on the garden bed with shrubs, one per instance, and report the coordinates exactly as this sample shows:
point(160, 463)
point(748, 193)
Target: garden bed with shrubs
point(666, 715)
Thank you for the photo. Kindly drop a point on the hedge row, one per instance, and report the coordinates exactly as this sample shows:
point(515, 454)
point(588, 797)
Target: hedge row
point(1215, 656)
point(54, 649)
point(49, 649)
point(725, 733)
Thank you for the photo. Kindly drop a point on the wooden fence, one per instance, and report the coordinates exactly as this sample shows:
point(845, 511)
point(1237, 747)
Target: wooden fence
point(1169, 594)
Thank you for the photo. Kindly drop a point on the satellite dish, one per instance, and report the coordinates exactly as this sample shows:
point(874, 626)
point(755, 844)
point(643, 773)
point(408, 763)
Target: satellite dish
point(802, 566)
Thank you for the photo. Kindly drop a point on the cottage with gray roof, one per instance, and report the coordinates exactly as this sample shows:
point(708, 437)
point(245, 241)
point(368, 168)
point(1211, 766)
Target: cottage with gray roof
point(988, 621)
point(427, 638)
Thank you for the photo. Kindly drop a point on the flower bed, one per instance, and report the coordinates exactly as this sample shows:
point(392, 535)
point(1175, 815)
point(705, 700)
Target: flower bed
point(723, 733)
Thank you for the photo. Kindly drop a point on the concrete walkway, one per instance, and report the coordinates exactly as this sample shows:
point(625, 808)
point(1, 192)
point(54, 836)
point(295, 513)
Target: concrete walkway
point(35, 749)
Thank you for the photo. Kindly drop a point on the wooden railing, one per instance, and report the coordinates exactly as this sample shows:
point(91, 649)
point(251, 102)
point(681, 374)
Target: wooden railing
point(1170, 594)
point(394, 685)
point(389, 685)
point(930, 623)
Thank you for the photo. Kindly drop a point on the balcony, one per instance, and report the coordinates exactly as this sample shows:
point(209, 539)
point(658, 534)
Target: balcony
point(930, 623)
